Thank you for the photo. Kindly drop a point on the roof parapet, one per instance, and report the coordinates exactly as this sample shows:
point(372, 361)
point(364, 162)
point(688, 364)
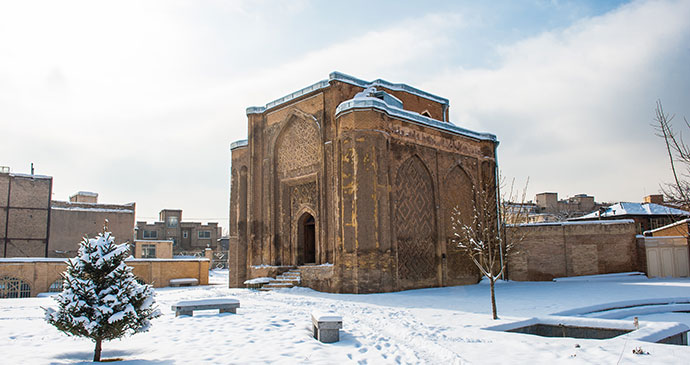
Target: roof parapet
point(375, 103)
point(387, 84)
point(339, 76)
point(238, 144)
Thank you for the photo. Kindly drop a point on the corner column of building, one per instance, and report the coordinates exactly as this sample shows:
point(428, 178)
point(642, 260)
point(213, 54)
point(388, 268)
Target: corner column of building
point(367, 262)
point(255, 191)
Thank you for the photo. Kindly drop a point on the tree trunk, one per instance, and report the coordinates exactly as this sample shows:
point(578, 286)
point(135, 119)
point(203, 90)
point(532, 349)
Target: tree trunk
point(493, 297)
point(97, 351)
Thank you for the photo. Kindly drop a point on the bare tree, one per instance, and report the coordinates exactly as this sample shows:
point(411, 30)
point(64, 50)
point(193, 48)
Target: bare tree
point(678, 191)
point(485, 240)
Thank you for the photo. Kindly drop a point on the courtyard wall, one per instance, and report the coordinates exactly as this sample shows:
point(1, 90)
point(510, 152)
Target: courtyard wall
point(40, 273)
point(563, 249)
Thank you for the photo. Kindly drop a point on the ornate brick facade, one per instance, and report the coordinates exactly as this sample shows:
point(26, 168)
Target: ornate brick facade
point(354, 182)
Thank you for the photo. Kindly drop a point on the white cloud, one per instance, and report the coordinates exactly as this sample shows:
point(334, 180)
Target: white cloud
point(139, 101)
point(572, 107)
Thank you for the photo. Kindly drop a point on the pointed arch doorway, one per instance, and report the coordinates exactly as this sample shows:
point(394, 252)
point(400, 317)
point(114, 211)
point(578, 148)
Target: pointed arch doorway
point(306, 239)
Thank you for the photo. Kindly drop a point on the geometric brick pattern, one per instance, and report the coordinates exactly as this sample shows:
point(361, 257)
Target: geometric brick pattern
point(298, 151)
point(415, 221)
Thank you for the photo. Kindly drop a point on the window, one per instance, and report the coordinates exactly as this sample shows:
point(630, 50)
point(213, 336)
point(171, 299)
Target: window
point(148, 251)
point(658, 222)
point(172, 222)
point(185, 234)
point(204, 234)
point(14, 288)
point(56, 286)
point(150, 234)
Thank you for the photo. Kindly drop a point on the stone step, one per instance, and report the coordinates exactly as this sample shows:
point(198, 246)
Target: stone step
point(287, 279)
point(291, 282)
point(280, 284)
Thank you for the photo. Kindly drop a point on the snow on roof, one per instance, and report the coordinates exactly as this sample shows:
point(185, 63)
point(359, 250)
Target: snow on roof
point(174, 259)
point(238, 144)
point(32, 259)
point(375, 103)
point(14, 174)
point(606, 222)
point(350, 80)
point(388, 85)
point(416, 118)
point(92, 207)
point(86, 193)
point(626, 208)
point(99, 210)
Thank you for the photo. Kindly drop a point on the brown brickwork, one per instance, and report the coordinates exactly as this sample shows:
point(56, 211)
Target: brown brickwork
point(377, 182)
point(39, 274)
point(552, 250)
point(25, 214)
point(71, 221)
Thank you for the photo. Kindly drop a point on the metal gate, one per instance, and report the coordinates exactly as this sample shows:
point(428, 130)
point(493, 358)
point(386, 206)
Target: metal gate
point(667, 257)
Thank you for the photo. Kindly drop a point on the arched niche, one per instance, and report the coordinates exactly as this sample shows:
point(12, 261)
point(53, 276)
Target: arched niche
point(415, 225)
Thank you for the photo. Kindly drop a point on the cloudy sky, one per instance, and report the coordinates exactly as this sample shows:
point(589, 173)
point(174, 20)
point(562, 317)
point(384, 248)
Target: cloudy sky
point(139, 100)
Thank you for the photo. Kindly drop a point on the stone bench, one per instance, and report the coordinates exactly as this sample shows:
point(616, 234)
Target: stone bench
point(224, 305)
point(184, 282)
point(326, 326)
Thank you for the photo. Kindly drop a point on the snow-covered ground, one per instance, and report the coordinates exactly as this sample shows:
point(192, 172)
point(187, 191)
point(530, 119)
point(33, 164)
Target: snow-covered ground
point(432, 326)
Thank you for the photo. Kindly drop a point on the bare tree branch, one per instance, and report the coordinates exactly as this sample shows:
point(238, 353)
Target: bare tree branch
point(485, 240)
point(678, 152)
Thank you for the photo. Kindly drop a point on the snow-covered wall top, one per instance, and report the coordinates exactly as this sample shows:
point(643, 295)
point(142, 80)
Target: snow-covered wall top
point(92, 207)
point(313, 87)
point(240, 143)
point(50, 259)
point(32, 259)
point(606, 222)
point(14, 174)
point(375, 103)
point(388, 85)
point(338, 76)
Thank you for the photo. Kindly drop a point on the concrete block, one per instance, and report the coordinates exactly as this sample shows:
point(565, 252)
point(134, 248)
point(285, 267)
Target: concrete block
point(326, 326)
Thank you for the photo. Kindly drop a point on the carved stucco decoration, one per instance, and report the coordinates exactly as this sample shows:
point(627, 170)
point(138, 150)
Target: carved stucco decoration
point(298, 149)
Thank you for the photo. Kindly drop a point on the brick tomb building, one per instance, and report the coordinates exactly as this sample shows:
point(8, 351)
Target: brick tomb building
point(354, 182)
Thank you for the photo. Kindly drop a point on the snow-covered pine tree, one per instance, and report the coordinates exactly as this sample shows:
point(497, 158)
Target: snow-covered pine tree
point(101, 299)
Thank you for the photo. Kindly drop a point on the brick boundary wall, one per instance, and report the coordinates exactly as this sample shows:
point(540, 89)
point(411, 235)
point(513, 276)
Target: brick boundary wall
point(40, 273)
point(563, 249)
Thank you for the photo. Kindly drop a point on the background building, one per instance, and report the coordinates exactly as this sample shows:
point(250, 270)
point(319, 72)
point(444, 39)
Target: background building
point(574, 206)
point(186, 236)
point(153, 249)
point(24, 214)
point(647, 216)
point(33, 225)
point(84, 216)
